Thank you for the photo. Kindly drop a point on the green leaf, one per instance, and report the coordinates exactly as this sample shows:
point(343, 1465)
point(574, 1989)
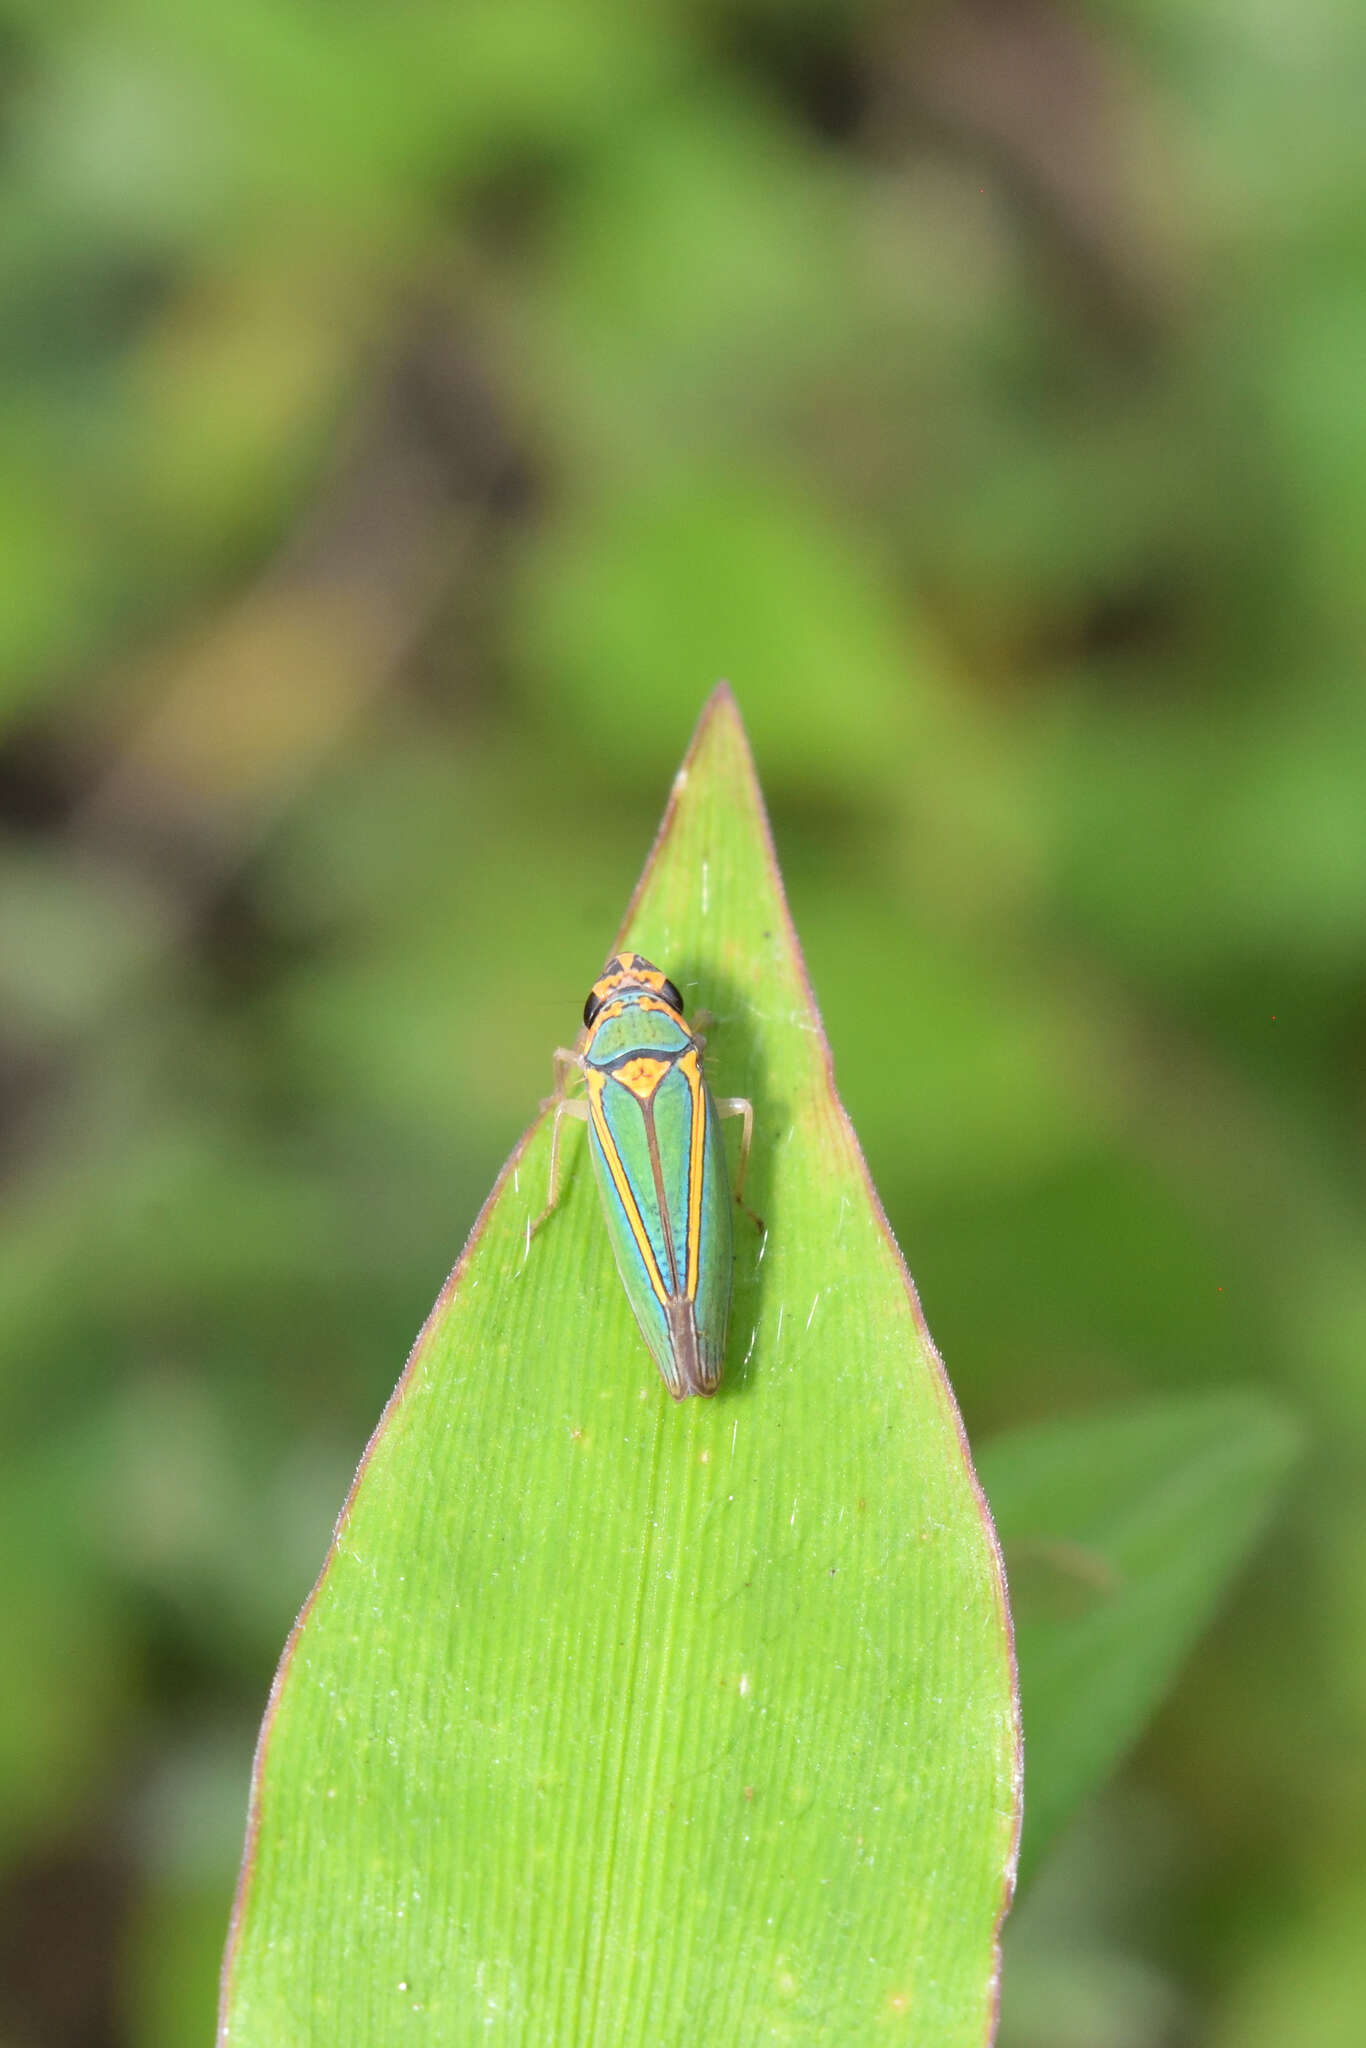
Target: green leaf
point(1121, 1534)
point(617, 1721)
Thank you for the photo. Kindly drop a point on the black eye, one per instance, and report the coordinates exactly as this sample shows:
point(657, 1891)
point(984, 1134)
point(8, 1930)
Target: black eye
point(671, 995)
point(592, 1006)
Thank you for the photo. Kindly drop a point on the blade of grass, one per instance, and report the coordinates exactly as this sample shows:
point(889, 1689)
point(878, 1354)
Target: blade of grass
point(612, 1721)
point(1121, 1533)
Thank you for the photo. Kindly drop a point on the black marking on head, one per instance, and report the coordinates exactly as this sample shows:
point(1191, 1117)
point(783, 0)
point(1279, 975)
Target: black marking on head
point(628, 974)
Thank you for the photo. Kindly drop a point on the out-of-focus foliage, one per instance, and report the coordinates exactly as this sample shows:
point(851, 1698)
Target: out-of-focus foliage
point(1120, 1532)
point(405, 413)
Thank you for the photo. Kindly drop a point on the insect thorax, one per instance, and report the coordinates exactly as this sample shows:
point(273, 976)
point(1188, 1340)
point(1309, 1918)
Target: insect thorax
point(636, 1029)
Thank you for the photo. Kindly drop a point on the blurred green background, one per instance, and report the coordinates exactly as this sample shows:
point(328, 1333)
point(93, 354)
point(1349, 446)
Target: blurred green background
point(407, 411)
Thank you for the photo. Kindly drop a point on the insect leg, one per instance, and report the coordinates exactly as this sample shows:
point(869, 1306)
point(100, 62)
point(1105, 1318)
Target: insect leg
point(740, 1105)
point(563, 1062)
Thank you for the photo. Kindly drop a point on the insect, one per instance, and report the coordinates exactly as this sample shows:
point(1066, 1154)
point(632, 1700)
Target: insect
point(654, 1132)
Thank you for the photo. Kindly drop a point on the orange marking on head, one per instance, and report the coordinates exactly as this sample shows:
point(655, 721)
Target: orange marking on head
point(633, 969)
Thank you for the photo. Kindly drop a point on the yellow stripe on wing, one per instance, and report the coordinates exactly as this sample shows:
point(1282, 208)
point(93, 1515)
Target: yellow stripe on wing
point(697, 1159)
point(596, 1083)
